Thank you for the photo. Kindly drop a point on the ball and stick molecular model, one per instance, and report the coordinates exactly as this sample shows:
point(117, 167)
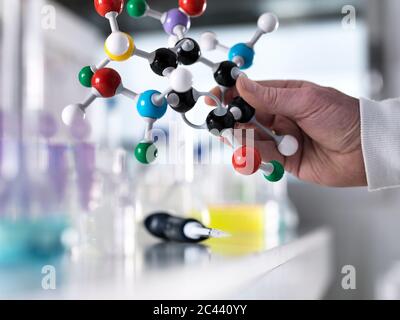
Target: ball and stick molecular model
point(180, 94)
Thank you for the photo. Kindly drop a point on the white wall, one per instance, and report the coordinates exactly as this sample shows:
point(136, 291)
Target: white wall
point(391, 45)
point(366, 227)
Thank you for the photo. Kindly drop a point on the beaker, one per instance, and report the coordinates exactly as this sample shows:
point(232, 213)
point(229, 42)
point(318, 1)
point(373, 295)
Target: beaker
point(259, 215)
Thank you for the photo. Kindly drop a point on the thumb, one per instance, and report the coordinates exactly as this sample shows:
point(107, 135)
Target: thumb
point(271, 100)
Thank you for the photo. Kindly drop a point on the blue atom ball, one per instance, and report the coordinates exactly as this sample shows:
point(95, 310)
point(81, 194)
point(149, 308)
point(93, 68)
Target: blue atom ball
point(244, 51)
point(147, 108)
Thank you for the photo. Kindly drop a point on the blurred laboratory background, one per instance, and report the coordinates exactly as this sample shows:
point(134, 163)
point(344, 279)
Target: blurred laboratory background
point(83, 193)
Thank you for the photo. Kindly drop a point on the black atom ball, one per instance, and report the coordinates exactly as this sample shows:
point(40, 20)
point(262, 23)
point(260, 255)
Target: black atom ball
point(216, 124)
point(247, 110)
point(223, 75)
point(163, 59)
point(188, 51)
point(186, 101)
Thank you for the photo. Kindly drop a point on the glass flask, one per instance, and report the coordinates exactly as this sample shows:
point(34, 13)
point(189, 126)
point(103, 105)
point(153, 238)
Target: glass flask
point(105, 220)
point(168, 184)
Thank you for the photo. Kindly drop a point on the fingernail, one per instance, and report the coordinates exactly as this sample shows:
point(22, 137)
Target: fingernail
point(248, 85)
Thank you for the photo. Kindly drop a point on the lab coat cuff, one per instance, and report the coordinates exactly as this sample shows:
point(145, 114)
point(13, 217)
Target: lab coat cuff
point(380, 138)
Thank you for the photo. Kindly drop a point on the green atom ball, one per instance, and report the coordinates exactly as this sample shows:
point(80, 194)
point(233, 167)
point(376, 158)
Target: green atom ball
point(277, 174)
point(146, 152)
point(85, 77)
point(136, 8)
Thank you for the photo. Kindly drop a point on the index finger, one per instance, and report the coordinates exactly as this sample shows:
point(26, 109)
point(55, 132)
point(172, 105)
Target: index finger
point(232, 92)
point(228, 95)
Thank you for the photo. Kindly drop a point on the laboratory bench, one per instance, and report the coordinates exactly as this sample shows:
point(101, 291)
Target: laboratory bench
point(296, 266)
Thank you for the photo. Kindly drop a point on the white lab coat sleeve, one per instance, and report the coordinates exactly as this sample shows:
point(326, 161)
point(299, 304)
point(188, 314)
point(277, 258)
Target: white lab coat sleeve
point(380, 138)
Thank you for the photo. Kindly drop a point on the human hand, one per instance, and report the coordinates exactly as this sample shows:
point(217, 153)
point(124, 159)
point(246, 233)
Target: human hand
point(325, 121)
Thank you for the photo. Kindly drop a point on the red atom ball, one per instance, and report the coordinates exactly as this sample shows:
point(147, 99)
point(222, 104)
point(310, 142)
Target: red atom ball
point(193, 8)
point(106, 81)
point(105, 6)
point(246, 160)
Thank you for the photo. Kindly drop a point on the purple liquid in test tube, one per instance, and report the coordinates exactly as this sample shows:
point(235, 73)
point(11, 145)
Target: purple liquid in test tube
point(48, 127)
point(4, 191)
point(58, 170)
point(1, 142)
point(84, 155)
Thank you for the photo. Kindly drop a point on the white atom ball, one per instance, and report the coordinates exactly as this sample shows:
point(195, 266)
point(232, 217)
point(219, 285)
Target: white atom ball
point(181, 80)
point(72, 113)
point(208, 41)
point(118, 44)
point(268, 22)
point(288, 146)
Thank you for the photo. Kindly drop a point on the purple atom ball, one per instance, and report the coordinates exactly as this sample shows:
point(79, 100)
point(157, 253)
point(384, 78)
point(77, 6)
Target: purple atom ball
point(175, 17)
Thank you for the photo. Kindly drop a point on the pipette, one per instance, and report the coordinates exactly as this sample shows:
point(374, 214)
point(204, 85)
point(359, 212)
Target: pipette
point(165, 226)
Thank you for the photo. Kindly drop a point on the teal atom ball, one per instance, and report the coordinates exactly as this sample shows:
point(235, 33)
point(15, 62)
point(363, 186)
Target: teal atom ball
point(148, 109)
point(245, 52)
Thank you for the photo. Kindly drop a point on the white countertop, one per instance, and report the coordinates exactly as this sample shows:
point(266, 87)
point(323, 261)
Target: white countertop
point(301, 268)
